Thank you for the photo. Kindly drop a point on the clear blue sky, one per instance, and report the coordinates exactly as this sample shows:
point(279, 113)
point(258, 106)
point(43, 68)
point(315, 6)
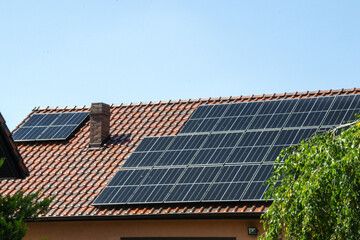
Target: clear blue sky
point(66, 53)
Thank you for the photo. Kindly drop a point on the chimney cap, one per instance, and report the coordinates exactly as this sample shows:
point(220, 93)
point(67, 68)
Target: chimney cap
point(99, 108)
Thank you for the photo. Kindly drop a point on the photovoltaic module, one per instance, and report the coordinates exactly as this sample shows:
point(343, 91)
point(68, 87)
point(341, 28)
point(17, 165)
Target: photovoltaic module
point(50, 126)
point(224, 152)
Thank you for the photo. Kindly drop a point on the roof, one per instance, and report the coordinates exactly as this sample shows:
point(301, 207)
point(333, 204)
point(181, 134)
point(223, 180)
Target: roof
point(13, 166)
point(76, 174)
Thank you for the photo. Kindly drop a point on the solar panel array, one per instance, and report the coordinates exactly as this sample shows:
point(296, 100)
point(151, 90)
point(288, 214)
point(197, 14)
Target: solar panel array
point(224, 152)
point(278, 114)
point(51, 126)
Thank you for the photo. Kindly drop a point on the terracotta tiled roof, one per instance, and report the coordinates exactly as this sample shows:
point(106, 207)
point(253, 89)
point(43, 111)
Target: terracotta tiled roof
point(76, 174)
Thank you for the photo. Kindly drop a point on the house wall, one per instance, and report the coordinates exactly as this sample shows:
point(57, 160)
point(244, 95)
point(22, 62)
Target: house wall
point(111, 230)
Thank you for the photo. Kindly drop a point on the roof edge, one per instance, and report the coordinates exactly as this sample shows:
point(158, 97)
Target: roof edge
point(12, 156)
point(174, 216)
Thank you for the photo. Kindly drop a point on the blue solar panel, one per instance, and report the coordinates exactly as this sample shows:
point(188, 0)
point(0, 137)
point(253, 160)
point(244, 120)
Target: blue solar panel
point(292, 113)
point(50, 126)
point(224, 152)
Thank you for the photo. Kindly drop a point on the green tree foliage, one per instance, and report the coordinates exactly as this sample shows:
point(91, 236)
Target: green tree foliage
point(319, 196)
point(16, 209)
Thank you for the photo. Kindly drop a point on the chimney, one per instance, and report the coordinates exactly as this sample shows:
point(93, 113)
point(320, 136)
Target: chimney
point(99, 124)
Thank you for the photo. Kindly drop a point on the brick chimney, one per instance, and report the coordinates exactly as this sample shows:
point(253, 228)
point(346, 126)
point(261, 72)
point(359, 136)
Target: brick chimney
point(99, 124)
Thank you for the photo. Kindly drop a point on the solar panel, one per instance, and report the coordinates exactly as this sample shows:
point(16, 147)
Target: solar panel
point(224, 152)
point(292, 113)
point(50, 126)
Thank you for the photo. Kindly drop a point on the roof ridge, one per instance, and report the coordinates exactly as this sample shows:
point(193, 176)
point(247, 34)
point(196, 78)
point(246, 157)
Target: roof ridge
point(212, 99)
